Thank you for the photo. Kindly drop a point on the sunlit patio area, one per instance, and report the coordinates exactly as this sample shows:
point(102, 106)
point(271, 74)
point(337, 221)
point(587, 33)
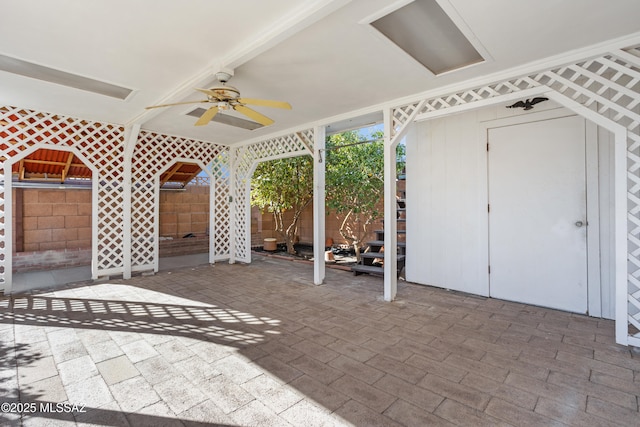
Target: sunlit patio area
point(260, 345)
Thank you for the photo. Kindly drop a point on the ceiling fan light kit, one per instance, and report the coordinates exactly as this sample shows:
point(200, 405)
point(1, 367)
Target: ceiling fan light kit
point(225, 97)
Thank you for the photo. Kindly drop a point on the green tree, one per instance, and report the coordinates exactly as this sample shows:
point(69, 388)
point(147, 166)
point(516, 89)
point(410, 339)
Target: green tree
point(355, 182)
point(284, 185)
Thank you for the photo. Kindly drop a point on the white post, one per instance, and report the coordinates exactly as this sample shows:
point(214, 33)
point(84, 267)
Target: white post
point(213, 214)
point(233, 152)
point(319, 238)
point(390, 212)
point(621, 245)
point(247, 218)
point(8, 229)
point(131, 138)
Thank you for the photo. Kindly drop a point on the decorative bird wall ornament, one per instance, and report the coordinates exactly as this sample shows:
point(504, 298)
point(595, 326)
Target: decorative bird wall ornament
point(528, 104)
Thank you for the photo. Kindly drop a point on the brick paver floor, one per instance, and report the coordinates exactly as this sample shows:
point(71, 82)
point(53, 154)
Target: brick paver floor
point(242, 345)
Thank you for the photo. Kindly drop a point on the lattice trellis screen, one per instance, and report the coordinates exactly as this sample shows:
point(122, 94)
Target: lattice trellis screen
point(152, 155)
point(244, 160)
point(100, 144)
point(608, 85)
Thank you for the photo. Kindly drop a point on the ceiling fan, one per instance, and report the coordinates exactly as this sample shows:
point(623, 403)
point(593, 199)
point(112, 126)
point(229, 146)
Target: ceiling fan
point(225, 97)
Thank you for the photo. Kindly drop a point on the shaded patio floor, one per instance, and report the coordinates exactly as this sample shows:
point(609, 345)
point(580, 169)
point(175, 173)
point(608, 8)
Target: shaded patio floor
point(259, 345)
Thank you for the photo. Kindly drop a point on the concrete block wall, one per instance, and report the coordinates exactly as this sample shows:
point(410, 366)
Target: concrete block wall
point(52, 219)
point(52, 227)
point(51, 259)
point(184, 212)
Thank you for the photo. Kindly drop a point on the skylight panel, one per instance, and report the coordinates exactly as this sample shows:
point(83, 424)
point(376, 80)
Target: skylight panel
point(424, 31)
point(51, 75)
point(227, 119)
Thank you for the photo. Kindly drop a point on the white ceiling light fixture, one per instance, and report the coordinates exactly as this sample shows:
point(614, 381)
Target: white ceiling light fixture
point(51, 75)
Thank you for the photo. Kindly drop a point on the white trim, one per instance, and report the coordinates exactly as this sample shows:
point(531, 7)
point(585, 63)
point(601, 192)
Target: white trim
point(621, 245)
point(390, 8)
point(592, 175)
point(459, 22)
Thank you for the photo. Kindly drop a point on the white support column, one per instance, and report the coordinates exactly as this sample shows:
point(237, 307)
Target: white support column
point(213, 214)
point(95, 201)
point(390, 212)
point(8, 229)
point(319, 214)
point(247, 217)
point(620, 239)
point(131, 138)
point(156, 224)
point(233, 152)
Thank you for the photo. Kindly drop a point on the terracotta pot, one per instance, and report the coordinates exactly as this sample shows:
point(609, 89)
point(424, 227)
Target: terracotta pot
point(270, 244)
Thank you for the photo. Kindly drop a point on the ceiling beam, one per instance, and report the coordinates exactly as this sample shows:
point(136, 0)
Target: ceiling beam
point(53, 163)
point(190, 177)
point(286, 27)
point(169, 174)
point(65, 171)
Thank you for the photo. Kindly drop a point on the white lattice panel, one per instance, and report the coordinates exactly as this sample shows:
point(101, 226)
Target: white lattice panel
point(3, 250)
point(100, 144)
point(609, 85)
point(152, 155)
point(245, 159)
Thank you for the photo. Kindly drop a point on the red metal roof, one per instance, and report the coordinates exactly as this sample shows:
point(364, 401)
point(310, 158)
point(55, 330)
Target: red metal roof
point(46, 165)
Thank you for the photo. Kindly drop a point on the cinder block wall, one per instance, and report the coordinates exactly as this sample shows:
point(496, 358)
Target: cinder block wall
point(184, 212)
point(52, 227)
point(52, 219)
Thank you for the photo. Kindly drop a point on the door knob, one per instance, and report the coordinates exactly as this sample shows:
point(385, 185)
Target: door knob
point(579, 224)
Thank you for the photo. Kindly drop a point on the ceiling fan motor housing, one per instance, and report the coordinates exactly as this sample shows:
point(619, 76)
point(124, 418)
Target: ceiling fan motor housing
point(223, 76)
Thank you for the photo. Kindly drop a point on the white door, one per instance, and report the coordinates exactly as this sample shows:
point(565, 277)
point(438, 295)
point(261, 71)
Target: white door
point(537, 213)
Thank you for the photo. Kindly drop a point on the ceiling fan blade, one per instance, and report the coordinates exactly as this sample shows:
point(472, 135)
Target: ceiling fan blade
point(207, 116)
point(254, 115)
point(176, 103)
point(209, 92)
point(265, 103)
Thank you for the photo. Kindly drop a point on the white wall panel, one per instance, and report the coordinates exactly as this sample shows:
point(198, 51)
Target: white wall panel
point(446, 192)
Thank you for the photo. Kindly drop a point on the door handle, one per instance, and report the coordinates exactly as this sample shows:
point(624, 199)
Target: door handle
point(579, 224)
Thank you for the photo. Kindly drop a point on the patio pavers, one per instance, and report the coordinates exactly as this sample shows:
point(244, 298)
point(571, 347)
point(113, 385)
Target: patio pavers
point(260, 345)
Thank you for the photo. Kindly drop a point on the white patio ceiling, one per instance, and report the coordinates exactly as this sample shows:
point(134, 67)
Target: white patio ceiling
point(316, 54)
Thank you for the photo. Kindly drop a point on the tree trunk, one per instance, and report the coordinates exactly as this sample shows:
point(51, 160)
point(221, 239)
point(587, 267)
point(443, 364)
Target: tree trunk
point(292, 229)
point(353, 240)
